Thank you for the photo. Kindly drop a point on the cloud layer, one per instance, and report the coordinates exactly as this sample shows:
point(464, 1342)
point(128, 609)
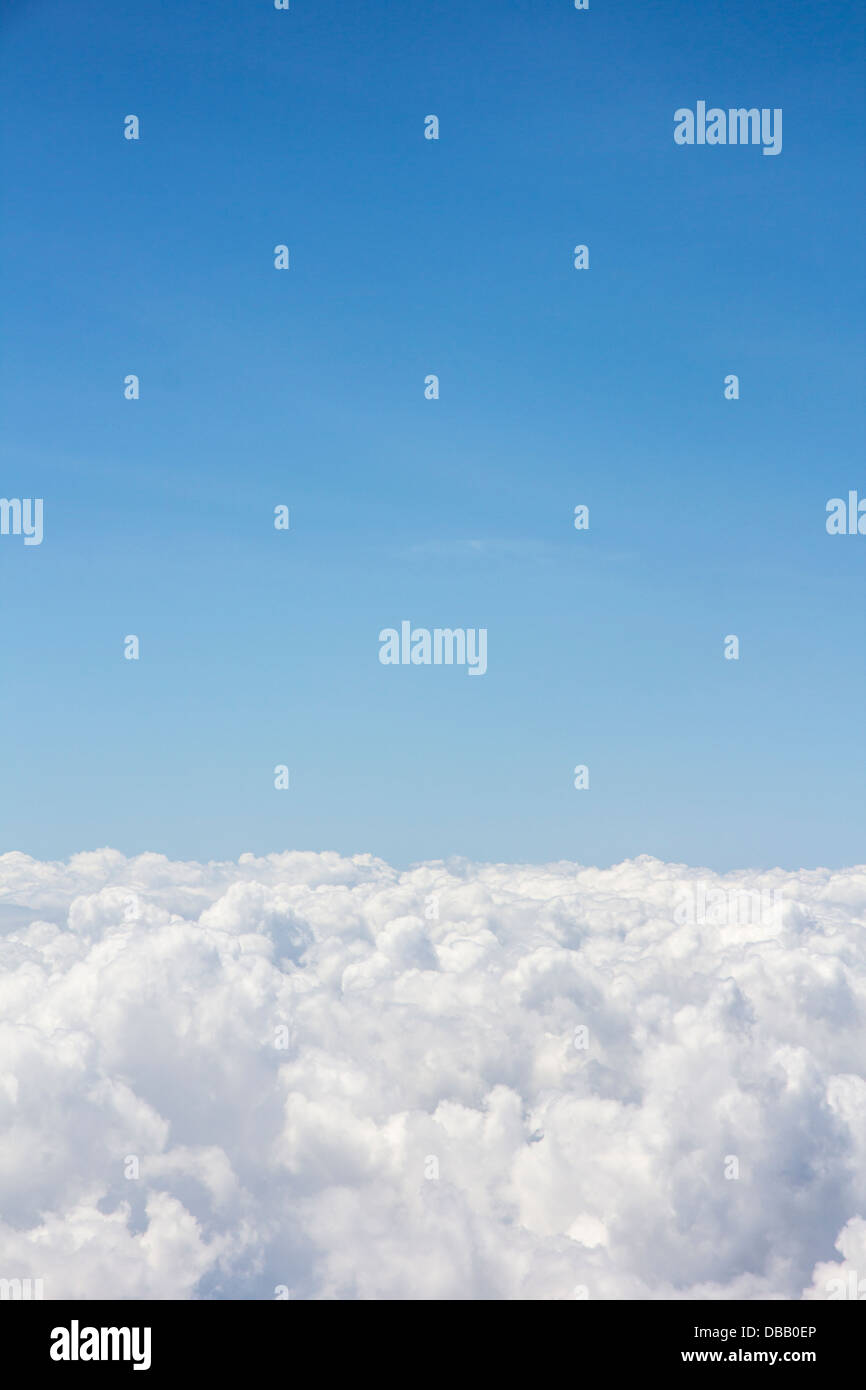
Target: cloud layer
point(462, 1081)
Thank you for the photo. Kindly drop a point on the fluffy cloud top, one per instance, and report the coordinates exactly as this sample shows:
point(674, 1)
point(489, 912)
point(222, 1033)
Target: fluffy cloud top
point(461, 1081)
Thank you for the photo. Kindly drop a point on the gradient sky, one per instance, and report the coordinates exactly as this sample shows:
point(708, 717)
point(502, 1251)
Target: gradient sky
point(412, 257)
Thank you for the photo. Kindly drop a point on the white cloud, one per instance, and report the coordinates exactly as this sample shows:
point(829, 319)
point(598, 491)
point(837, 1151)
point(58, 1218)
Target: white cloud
point(140, 1001)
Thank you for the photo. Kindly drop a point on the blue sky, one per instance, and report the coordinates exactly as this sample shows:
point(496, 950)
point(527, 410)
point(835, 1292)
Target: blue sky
point(558, 387)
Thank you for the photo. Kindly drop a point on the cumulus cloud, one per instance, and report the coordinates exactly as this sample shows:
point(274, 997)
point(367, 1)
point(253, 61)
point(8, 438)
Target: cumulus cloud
point(324, 1075)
